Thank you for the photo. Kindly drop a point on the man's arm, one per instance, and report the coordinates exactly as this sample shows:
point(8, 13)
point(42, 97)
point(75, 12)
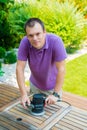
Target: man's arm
point(59, 82)
point(21, 81)
point(60, 76)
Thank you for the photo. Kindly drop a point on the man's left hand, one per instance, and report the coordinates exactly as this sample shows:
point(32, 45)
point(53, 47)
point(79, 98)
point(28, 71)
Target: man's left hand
point(51, 99)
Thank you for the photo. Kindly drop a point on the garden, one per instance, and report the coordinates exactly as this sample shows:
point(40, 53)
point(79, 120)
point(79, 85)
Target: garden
point(66, 18)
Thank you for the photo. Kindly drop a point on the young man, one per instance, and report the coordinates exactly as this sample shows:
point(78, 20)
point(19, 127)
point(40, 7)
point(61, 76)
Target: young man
point(46, 55)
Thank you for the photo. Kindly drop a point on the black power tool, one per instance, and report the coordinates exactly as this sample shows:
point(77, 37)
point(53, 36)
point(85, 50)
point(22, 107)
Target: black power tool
point(37, 105)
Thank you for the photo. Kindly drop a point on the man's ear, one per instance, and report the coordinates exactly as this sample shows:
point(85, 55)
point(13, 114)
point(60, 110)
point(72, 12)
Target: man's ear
point(44, 31)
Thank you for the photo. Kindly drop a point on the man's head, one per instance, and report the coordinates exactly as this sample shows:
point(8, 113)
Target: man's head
point(35, 31)
point(32, 21)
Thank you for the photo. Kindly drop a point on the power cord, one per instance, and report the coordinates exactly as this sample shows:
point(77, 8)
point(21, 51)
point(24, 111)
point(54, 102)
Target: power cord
point(59, 100)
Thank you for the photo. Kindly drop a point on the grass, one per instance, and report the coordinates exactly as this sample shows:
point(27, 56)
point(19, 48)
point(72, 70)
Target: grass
point(76, 76)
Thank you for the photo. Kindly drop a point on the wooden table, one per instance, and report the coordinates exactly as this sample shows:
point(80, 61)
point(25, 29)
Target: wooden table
point(60, 116)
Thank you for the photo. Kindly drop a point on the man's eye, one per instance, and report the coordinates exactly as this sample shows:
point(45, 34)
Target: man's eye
point(30, 36)
point(38, 34)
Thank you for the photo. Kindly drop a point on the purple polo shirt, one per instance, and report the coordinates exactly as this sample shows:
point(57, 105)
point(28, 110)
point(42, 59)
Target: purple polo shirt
point(42, 61)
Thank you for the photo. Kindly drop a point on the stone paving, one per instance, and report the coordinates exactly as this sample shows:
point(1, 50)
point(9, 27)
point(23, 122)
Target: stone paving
point(10, 74)
point(10, 77)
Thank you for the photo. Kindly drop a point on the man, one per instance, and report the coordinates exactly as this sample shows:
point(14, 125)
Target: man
point(46, 55)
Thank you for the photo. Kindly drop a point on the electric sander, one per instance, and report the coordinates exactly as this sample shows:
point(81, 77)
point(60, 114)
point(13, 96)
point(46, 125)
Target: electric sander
point(37, 105)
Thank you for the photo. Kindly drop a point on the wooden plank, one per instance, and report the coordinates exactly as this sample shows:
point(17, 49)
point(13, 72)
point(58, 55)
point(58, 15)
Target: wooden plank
point(7, 95)
point(73, 123)
point(55, 128)
point(67, 125)
point(57, 118)
point(7, 87)
point(75, 100)
point(63, 127)
point(11, 123)
point(81, 115)
point(40, 122)
point(3, 128)
point(62, 119)
point(7, 125)
point(77, 118)
point(60, 116)
point(73, 120)
point(25, 119)
point(9, 105)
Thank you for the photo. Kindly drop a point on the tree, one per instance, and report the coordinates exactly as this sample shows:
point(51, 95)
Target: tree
point(5, 35)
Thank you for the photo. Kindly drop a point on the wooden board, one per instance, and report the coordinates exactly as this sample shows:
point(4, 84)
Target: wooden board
point(75, 100)
point(60, 116)
point(8, 94)
point(22, 117)
point(76, 119)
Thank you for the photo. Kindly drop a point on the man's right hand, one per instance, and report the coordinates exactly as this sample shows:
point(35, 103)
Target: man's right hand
point(25, 99)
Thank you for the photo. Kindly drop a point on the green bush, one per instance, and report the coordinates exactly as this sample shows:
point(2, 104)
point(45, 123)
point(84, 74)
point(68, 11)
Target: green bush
point(5, 35)
point(62, 18)
point(0, 65)
point(2, 52)
point(10, 58)
point(18, 15)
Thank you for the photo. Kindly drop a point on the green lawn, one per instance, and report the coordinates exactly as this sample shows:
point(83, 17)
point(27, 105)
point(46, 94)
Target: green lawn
point(76, 76)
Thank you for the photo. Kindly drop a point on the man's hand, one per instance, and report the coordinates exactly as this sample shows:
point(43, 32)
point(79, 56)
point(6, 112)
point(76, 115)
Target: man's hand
point(25, 100)
point(51, 99)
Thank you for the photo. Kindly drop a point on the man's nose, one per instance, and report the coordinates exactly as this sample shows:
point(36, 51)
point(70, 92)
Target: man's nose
point(34, 37)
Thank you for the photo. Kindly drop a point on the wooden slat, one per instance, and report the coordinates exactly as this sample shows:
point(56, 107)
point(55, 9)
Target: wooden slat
point(7, 95)
point(63, 118)
point(76, 119)
point(52, 112)
point(59, 116)
point(75, 100)
point(9, 122)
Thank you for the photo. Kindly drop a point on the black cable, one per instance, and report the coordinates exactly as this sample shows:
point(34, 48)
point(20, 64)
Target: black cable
point(64, 102)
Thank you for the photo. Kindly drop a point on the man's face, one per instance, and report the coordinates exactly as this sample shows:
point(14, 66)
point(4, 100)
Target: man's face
point(36, 35)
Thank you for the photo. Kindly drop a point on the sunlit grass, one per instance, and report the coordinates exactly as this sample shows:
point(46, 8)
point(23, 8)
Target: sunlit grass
point(76, 76)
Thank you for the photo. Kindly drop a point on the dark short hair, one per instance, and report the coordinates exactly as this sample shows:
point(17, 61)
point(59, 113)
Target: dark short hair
point(31, 22)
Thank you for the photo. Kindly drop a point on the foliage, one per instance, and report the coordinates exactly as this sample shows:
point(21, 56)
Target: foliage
point(82, 5)
point(10, 58)
point(5, 35)
point(76, 76)
point(1, 72)
point(21, 14)
point(61, 18)
point(66, 22)
point(2, 52)
point(0, 65)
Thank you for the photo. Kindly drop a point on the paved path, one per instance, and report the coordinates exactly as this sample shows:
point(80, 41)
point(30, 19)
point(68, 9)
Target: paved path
point(10, 76)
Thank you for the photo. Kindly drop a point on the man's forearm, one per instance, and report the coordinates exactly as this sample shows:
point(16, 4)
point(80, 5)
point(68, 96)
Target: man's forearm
point(21, 81)
point(60, 78)
point(59, 82)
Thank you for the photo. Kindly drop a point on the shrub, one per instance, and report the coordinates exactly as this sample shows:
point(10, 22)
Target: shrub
point(5, 35)
point(16, 21)
point(62, 18)
point(0, 65)
point(10, 57)
point(2, 52)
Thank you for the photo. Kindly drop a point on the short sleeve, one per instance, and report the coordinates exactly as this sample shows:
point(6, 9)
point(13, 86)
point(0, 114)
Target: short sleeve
point(59, 51)
point(23, 49)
